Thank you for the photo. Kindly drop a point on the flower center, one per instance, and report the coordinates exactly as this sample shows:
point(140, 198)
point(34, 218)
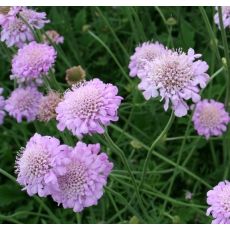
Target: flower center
point(209, 116)
point(173, 74)
point(34, 163)
point(24, 102)
point(86, 102)
point(72, 183)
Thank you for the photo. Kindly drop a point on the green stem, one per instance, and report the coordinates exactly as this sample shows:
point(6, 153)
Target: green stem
point(165, 159)
point(211, 33)
point(226, 53)
point(155, 142)
point(112, 55)
point(55, 219)
point(126, 164)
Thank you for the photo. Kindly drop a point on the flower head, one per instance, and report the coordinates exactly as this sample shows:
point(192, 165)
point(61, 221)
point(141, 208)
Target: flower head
point(48, 105)
point(39, 163)
point(75, 74)
point(52, 36)
point(176, 77)
point(87, 107)
point(23, 103)
point(32, 61)
point(86, 175)
point(218, 199)
point(210, 118)
point(225, 16)
point(144, 53)
point(2, 106)
point(17, 23)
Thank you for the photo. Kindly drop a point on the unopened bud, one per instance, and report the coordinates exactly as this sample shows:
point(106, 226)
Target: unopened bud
point(75, 75)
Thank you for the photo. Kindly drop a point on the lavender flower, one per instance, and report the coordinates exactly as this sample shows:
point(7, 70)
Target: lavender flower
point(225, 16)
point(2, 105)
point(218, 199)
point(23, 103)
point(48, 105)
point(176, 77)
point(32, 62)
point(17, 24)
point(210, 118)
point(87, 107)
point(39, 164)
point(86, 175)
point(144, 53)
point(53, 36)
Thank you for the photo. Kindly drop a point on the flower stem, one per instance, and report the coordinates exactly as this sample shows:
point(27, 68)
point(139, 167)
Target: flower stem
point(40, 201)
point(155, 142)
point(126, 164)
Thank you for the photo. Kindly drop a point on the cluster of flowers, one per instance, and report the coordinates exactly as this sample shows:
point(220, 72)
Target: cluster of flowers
point(73, 176)
point(177, 77)
point(30, 65)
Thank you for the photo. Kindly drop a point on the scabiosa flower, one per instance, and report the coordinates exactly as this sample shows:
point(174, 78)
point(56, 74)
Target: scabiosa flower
point(2, 105)
point(23, 103)
point(86, 175)
point(32, 62)
point(17, 24)
point(52, 36)
point(39, 163)
point(210, 118)
point(48, 105)
point(87, 107)
point(146, 52)
point(225, 16)
point(218, 199)
point(176, 77)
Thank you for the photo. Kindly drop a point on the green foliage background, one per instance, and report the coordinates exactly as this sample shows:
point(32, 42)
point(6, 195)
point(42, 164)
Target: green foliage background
point(101, 39)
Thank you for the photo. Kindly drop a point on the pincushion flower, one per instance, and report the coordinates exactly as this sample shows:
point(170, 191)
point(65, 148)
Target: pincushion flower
point(2, 105)
point(225, 16)
point(17, 24)
point(176, 77)
point(210, 118)
point(87, 107)
point(32, 62)
point(86, 175)
point(48, 105)
point(144, 53)
point(218, 199)
point(52, 36)
point(23, 103)
point(39, 164)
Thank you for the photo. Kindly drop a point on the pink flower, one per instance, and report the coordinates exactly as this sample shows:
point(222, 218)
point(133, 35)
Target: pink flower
point(88, 107)
point(32, 62)
point(225, 16)
point(86, 175)
point(210, 118)
point(48, 105)
point(23, 103)
point(176, 77)
point(53, 36)
point(144, 53)
point(218, 199)
point(17, 24)
point(39, 163)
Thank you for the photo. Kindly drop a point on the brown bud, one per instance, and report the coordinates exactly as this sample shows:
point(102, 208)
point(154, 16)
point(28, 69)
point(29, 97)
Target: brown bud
point(4, 9)
point(75, 75)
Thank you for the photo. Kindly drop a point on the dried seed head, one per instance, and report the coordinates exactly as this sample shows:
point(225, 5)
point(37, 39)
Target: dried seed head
point(75, 75)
